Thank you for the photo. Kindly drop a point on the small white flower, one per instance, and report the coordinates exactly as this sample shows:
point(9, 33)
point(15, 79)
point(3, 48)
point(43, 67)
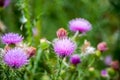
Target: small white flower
point(90, 50)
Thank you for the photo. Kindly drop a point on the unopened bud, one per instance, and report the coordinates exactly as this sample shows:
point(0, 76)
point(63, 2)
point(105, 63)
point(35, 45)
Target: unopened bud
point(61, 33)
point(104, 73)
point(102, 46)
point(44, 44)
point(115, 65)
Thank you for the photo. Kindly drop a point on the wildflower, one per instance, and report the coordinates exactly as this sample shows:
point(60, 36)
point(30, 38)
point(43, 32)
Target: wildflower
point(102, 46)
point(15, 58)
point(61, 33)
point(4, 3)
point(75, 59)
point(104, 73)
point(64, 47)
point(108, 60)
point(11, 38)
point(80, 24)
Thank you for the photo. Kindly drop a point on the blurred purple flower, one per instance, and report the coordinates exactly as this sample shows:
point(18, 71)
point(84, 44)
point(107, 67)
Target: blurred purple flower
point(108, 60)
point(16, 58)
point(75, 59)
point(80, 24)
point(11, 38)
point(4, 3)
point(104, 73)
point(64, 47)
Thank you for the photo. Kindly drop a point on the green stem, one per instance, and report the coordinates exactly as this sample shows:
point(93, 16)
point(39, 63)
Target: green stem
point(59, 70)
point(75, 35)
point(37, 60)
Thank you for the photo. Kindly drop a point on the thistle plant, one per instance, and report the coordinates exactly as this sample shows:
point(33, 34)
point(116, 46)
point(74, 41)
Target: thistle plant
point(14, 56)
point(59, 59)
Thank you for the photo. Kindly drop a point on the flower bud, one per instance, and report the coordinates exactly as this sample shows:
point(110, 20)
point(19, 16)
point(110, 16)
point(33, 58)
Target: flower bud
point(104, 73)
point(111, 72)
point(44, 44)
point(61, 33)
point(115, 65)
point(102, 46)
point(75, 59)
point(31, 51)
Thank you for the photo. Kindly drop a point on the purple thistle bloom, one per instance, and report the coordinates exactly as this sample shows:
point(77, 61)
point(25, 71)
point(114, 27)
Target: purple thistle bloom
point(4, 3)
point(11, 38)
point(64, 47)
point(75, 59)
point(104, 73)
point(80, 24)
point(15, 58)
point(108, 60)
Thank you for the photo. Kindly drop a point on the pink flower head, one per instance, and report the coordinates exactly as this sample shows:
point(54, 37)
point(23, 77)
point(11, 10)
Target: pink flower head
point(102, 46)
point(15, 58)
point(64, 47)
point(11, 38)
point(4, 3)
point(80, 24)
point(104, 73)
point(75, 59)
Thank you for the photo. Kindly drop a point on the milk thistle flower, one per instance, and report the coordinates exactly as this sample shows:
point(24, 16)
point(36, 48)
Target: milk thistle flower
point(11, 38)
point(75, 59)
point(64, 47)
point(4, 3)
point(15, 58)
point(80, 24)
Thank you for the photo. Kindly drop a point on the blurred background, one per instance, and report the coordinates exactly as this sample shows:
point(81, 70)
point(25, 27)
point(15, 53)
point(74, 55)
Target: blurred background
point(36, 19)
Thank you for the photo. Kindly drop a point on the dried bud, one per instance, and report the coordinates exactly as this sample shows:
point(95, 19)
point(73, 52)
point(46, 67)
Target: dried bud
point(31, 51)
point(102, 46)
point(61, 33)
point(115, 65)
point(6, 48)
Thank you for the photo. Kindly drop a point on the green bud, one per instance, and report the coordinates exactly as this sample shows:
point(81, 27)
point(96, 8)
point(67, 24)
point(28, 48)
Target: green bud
point(111, 72)
point(98, 53)
point(44, 44)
